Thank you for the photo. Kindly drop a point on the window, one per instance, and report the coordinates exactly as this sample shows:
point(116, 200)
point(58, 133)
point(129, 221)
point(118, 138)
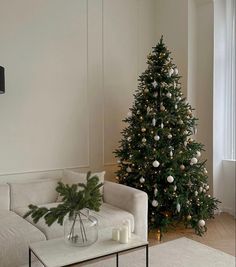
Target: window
point(230, 91)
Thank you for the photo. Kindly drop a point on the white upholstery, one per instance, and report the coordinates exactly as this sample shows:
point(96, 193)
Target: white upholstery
point(132, 200)
point(107, 216)
point(54, 231)
point(73, 177)
point(4, 197)
point(112, 216)
point(33, 192)
point(15, 236)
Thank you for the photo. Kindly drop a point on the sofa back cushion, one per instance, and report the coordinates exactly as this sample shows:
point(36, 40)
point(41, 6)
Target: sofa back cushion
point(4, 197)
point(72, 177)
point(33, 192)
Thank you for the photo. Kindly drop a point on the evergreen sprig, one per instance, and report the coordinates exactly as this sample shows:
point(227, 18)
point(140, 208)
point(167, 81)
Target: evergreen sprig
point(75, 198)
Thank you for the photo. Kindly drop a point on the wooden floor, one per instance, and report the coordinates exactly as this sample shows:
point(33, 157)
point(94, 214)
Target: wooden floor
point(220, 234)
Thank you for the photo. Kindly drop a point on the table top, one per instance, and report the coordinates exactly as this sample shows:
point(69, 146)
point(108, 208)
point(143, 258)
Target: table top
point(56, 252)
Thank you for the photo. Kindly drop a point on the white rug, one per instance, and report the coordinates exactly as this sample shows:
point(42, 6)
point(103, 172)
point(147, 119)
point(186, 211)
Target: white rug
point(182, 252)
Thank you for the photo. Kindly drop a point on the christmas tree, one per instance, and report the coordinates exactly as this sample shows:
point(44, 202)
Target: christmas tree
point(157, 153)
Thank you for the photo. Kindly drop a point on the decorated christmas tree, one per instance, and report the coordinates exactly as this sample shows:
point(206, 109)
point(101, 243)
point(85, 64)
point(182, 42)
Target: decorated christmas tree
point(158, 154)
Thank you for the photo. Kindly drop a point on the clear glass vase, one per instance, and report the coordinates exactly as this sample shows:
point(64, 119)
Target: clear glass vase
point(81, 229)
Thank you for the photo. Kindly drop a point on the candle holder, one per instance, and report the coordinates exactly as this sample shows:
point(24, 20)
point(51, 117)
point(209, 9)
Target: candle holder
point(159, 235)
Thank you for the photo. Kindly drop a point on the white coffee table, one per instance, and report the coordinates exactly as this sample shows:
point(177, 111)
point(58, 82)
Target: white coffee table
point(56, 253)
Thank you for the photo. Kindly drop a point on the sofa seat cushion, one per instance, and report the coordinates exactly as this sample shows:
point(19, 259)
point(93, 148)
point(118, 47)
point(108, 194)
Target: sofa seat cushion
point(107, 216)
point(15, 236)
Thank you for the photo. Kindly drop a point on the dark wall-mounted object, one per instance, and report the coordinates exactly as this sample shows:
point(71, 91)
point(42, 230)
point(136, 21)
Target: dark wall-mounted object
point(2, 80)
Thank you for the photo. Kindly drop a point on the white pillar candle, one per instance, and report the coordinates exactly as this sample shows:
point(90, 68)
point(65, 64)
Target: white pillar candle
point(128, 224)
point(124, 235)
point(116, 234)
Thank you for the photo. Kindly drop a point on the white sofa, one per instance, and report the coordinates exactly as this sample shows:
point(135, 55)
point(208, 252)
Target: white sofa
point(120, 202)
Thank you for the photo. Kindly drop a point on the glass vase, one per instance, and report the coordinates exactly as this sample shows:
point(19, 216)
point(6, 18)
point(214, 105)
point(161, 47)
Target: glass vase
point(81, 229)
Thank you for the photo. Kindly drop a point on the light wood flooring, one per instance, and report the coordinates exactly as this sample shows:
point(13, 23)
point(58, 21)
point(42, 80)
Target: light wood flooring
point(220, 234)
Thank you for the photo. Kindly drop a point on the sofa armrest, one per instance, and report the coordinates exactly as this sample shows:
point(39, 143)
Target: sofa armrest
point(132, 200)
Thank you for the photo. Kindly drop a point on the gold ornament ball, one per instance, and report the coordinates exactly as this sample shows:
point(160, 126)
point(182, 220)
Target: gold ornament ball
point(189, 217)
point(182, 167)
point(189, 112)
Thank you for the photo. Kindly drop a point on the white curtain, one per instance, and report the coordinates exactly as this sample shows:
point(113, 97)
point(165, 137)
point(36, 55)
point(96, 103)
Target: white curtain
point(230, 90)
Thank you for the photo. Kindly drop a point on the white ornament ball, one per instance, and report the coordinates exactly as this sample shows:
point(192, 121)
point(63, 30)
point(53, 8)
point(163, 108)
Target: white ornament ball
point(207, 187)
point(156, 137)
point(194, 160)
point(162, 125)
point(182, 167)
point(178, 207)
point(118, 161)
point(143, 130)
point(176, 71)
point(144, 140)
point(129, 138)
point(176, 106)
point(169, 95)
point(170, 179)
point(201, 223)
point(169, 136)
point(198, 154)
point(154, 203)
point(146, 90)
point(171, 153)
point(204, 190)
point(142, 180)
point(185, 132)
point(128, 169)
point(181, 122)
point(155, 164)
point(205, 171)
point(200, 189)
point(170, 72)
point(196, 193)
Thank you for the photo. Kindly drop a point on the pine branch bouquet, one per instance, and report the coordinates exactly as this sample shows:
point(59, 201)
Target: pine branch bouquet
point(157, 153)
point(75, 198)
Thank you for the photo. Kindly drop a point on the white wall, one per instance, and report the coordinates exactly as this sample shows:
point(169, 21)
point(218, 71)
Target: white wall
point(192, 54)
point(71, 70)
